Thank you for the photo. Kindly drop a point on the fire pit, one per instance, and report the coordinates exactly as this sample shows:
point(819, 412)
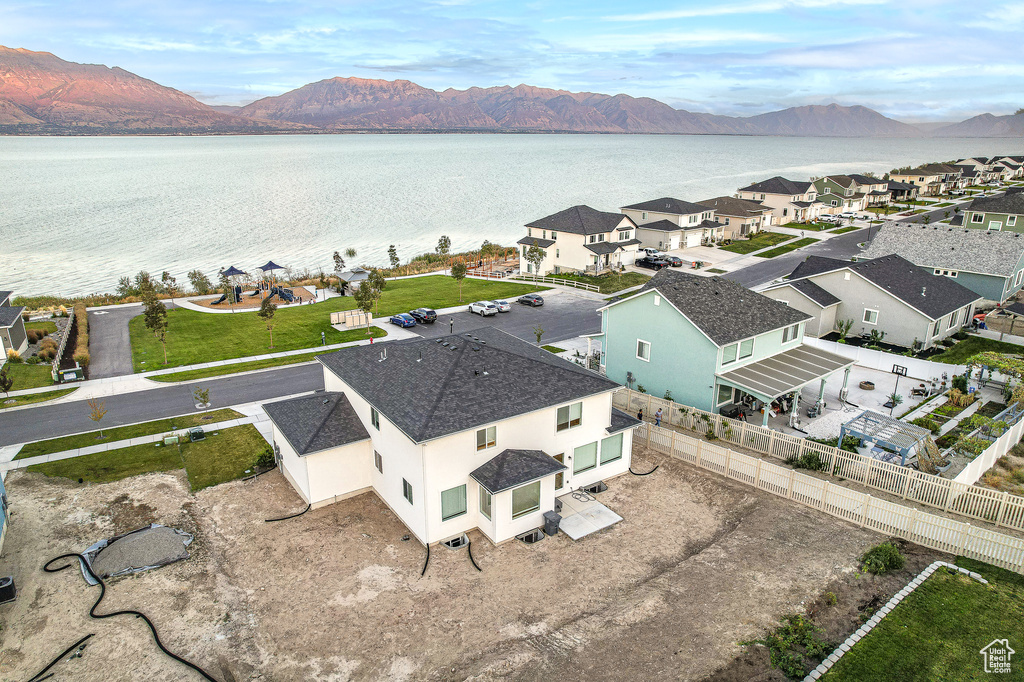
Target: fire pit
point(867, 385)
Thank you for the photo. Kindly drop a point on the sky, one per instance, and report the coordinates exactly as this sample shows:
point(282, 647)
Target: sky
point(914, 60)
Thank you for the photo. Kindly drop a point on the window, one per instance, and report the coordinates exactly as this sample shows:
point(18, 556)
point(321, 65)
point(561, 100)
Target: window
point(643, 216)
point(657, 300)
point(643, 350)
point(593, 238)
point(375, 418)
point(569, 416)
point(935, 328)
point(525, 499)
point(485, 503)
point(790, 333)
point(407, 491)
point(558, 253)
point(729, 354)
point(834, 203)
point(611, 449)
point(584, 458)
point(870, 316)
point(724, 394)
point(995, 225)
point(746, 348)
point(378, 461)
point(783, 302)
point(785, 211)
point(554, 236)
point(762, 197)
point(977, 217)
point(543, 234)
point(625, 235)
point(952, 320)
point(453, 502)
point(1020, 275)
point(1011, 220)
point(486, 438)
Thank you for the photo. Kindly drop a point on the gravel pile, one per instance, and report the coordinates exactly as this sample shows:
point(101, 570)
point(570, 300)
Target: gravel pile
point(150, 547)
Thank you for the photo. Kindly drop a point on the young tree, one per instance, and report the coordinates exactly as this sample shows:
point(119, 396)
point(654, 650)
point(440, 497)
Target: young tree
point(364, 300)
point(97, 410)
point(201, 396)
point(377, 283)
point(393, 257)
point(169, 284)
point(927, 219)
point(142, 281)
point(200, 283)
point(487, 252)
point(155, 316)
point(339, 264)
point(6, 381)
point(535, 256)
point(266, 313)
point(125, 288)
point(538, 331)
point(459, 273)
point(444, 246)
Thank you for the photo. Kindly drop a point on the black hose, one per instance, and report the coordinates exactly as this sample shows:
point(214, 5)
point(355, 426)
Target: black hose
point(55, 661)
point(137, 614)
point(647, 474)
point(266, 471)
point(285, 518)
point(426, 562)
point(469, 548)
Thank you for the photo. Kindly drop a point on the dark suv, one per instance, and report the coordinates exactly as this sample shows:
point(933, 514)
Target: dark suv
point(652, 263)
point(424, 315)
point(531, 300)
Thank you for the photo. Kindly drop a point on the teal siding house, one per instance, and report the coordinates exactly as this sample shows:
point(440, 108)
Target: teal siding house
point(711, 343)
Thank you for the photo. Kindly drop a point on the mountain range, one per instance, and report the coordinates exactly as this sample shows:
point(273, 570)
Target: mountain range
point(43, 94)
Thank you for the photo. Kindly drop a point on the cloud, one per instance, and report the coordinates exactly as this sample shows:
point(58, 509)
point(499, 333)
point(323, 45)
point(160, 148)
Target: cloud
point(769, 7)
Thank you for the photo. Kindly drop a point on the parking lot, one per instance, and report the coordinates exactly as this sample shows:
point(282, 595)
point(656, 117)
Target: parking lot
point(564, 315)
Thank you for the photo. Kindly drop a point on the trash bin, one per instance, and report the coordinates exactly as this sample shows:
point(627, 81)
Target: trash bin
point(551, 521)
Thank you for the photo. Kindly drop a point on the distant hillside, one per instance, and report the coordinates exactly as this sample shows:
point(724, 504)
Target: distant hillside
point(985, 125)
point(831, 121)
point(39, 91)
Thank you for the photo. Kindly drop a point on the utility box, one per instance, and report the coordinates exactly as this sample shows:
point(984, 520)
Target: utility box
point(196, 433)
point(7, 590)
point(551, 522)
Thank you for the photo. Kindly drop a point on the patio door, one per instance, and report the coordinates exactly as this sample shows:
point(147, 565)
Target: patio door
point(560, 476)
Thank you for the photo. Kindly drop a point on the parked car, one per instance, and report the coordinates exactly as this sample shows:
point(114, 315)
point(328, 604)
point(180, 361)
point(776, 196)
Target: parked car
point(531, 300)
point(483, 308)
point(847, 214)
point(829, 219)
point(652, 263)
point(424, 315)
point(503, 306)
point(652, 252)
point(673, 261)
point(403, 320)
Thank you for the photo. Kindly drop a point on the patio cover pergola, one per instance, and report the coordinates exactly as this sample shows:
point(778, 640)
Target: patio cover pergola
point(787, 372)
point(887, 432)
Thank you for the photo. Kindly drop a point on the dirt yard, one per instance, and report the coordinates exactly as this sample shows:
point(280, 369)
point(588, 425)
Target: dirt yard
point(698, 564)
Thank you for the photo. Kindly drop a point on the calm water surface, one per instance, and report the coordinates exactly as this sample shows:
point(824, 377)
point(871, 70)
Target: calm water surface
point(78, 213)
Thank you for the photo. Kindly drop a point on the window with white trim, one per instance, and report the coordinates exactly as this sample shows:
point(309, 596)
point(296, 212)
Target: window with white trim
point(584, 458)
point(729, 354)
point(525, 499)
point(1020, 275)
point(790, 333)
point(724, 394)
point(407, 491)
point(554, 236)
point(485, 503)
point(746, 348)
point(453, 502)
point(977, 217)
point(378, 461)
point(569, 416)
point(1011, 220)
point(486, 438)
point(643, 350)
point(870, 316)
point(375, 418)
point(611, 449)
point(935, 328)
point(952, 320)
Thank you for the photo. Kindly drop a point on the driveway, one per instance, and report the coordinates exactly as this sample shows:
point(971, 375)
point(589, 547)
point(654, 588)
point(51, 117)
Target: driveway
point(564, 315)
point(110, 347)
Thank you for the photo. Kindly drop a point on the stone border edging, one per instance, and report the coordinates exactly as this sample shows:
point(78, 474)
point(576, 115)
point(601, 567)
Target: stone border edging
point(834, 657)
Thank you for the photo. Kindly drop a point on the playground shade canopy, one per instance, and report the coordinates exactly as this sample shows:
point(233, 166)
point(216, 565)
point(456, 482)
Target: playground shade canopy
point(271, 265)
point(232, 272)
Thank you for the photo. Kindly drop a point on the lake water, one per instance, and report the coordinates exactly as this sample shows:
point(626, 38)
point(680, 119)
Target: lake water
point(78, 213)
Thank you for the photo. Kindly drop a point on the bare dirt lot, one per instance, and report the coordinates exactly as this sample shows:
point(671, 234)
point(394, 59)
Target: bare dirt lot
point(698, 564)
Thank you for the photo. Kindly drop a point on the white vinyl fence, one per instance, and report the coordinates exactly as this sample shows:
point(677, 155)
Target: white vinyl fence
point(889, 518)
point(919, 487)
point(1000, 446)
point(554, 280)
point(880, 360)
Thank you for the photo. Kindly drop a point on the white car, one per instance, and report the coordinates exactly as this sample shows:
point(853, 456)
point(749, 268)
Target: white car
point(828, 218)
point(652, 252)
point(483, 308)
point(502, 306)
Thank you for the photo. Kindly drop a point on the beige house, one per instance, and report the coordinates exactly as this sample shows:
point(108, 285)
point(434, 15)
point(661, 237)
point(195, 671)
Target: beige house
point(741, 218)
point(670, 224)
point(790, 201)
point(580, 239)
point(932, 179)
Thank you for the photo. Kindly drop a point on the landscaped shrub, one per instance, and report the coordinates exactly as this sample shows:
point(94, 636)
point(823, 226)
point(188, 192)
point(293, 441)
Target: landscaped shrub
point(926, 423)
point(882, 559)
point(850, 443)
point(959, 382)
point(13, 356)
point(266, 459)
point(47, 350)
point(81, 354)
point(960, 399)
point(811, 461)
point(34, 360)
point(795, 647)
point(33, 335)
point(948, 342)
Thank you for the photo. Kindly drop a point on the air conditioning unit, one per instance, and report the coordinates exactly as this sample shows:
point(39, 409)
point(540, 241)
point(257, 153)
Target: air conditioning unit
point(8, 592)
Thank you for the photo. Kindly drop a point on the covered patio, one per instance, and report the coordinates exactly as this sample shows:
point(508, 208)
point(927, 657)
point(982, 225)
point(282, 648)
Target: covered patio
point(885, 439)
point(760, 384)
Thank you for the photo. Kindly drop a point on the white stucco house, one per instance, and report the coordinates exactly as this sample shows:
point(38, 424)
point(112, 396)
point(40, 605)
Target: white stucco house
point(670, 224)
point(475, 430)
point(790, 200)
point(580, 239)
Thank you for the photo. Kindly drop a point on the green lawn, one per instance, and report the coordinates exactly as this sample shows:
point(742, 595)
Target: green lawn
point(609, 283)
point(973, 345)
point(29, 376)
point(811, 227)
point(221, 370)
point(220, 458)
point(84, 440)
point(936, 633)
point(844, 230)
point(31, 398)
point(717, 271)
point(50, 327)
point(553, 349)
point(223, 457)
point(195, 337)
point(759, 241)
point(944, 204)
point(779, 250)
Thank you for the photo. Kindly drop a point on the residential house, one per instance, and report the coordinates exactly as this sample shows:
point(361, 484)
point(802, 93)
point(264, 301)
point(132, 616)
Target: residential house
point(912, 306)
point(791, 201)
point(839, 194)
point(709, 342)
point(931, 179)
point(972, 177)
point(580, 239)
point(996, 213)
point(1008, 169)
point(983, 166)
point(989, 263)
point(670, 224)
point(875, 189)
point(741, 218)
point(12, 327)
point(474, 430)
point(901, 192)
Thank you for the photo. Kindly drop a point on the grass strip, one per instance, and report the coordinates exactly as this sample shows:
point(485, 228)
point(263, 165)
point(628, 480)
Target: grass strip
point(221, 370)
point(844, 230)
point(973, 345)
point(32, 398)
point(223, 456)
point(113, 465)
point(553, 349)
point(759, 241)
point(29, 376)
point(779, 250)
point(717, 271)
point(608, 283)
point(84, 440)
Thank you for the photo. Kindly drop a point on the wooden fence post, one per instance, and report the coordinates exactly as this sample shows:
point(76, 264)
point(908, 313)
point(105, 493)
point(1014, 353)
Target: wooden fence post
point(728, 458)
point(648, 426)
point(771, 443)
point(964, 537)
point(700, 452)
point(832, 465)
point(867, 472)
point(864, 511)
point(824, 496)
point(913, 522)
point(743, 433)
point(672, 444)
point(1002, 508)
point(906, 482)
point(792, 475)
point(757, 474)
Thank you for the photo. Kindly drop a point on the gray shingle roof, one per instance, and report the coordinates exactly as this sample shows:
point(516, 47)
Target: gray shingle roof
point(610, 247)
point(664, 225)
point(542, 243)
point(668, 205)
point(896, 184)
point(317, 422)
point(1008, 203)
point(621, 421)
point(580, 220)
point(724, 310)
point(4, 295)
point(733, 207)
point(9, 315)
point(866, 179)
point(430, 388)
point(354, 275)
point(511, 468)
point(778, 185)
point(933, 295)
point(1017, 308)
point(937, 246)
point(812, 291)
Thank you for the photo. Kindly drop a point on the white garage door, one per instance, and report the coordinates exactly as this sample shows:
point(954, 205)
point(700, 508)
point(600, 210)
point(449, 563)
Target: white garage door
point(693, 238)
point(673, 243)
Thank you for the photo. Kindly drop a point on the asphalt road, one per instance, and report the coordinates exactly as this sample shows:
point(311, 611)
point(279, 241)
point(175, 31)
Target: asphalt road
point(47, 421)
point(842, 247)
